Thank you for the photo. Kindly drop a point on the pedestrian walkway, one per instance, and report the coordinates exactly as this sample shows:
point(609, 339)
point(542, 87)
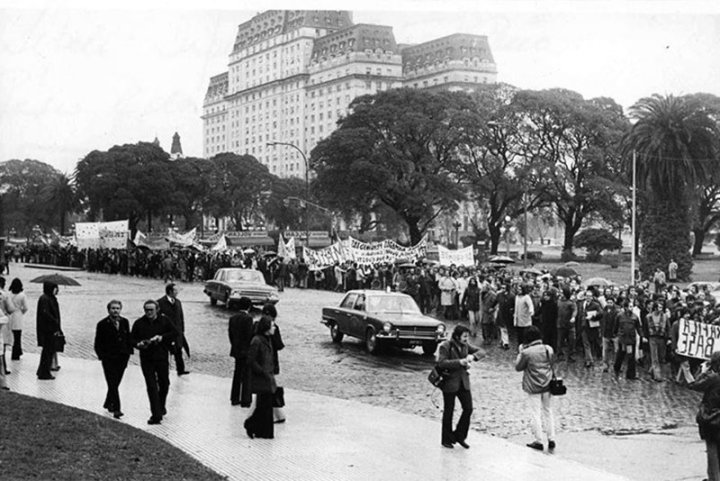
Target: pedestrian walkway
point(324, 438)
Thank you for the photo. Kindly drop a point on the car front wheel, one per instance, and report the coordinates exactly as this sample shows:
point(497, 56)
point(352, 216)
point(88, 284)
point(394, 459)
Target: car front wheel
point(335, 333)
point(371, 342)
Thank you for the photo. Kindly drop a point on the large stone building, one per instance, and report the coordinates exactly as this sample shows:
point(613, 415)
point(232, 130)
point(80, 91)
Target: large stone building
point(293, 73)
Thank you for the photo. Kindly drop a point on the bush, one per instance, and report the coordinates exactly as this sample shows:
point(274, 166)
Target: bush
point(568, 256)
point(613, 260)
point(596, 241)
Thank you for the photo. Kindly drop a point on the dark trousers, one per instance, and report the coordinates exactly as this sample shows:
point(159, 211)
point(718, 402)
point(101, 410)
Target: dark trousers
point(17, 345)
point(463, 424)
point(566, 334)
point(620, 356)
point(240, 390)
point(157, 382)
point(113, 369)
point(46, 359)
point(179, 361)
point(260, 423)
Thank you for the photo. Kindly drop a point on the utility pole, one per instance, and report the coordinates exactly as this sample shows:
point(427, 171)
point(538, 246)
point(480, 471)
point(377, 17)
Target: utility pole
point(307, 185)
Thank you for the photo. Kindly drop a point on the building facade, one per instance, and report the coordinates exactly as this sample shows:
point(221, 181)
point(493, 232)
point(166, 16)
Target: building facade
point(292, 75)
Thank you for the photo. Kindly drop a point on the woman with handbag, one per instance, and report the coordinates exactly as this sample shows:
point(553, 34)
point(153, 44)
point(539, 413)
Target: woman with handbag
point(277, 345)
point(708, 417)
point(535, 361)
point(454, 358)
point(262, 366)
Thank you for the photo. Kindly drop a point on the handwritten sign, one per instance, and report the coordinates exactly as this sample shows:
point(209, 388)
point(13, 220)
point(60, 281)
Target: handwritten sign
point(697, 339)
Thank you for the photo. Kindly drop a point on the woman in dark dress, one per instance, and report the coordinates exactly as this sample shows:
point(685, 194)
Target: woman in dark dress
point(48, 323)
point(262, 380)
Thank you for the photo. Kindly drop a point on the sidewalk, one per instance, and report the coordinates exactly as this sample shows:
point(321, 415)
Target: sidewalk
point(323, 439)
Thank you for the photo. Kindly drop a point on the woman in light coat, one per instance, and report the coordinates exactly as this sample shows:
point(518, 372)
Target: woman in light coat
point(535, 362)
point(19, 300)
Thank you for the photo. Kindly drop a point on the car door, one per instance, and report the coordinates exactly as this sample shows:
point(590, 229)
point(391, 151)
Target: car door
point(358, 317)
point(345, 314)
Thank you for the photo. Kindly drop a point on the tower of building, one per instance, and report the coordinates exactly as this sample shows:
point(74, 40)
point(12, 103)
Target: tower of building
point(176, 149)
point(293, 73)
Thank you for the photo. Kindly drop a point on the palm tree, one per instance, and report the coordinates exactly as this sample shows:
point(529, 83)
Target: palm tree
point(61, 195)
point(674, 138)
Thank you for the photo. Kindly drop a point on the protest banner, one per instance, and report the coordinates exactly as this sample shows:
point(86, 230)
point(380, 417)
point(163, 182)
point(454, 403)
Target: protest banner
point(698, 339)
point(459, 257)
point(99, 235)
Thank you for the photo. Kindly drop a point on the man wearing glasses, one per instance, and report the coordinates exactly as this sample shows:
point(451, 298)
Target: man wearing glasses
point(152, 334)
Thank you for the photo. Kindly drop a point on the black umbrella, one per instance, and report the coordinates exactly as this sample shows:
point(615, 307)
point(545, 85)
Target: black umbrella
point(59, 279)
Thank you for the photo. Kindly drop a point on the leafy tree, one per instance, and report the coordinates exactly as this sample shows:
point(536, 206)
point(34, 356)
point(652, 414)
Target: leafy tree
point(285, 215)
point(574, 146)
point(396, 148)
point(237, 187)
point(596, 241)
point(673, 138)
point(500, 177)
point(61, 197)
point(191, 177)
point(23, 201)
point(126, 182)
point(706, 204)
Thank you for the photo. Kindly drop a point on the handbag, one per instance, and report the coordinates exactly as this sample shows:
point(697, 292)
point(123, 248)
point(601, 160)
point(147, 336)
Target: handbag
point(58, 341)
point(279, 397)
point(436, 377)
point(708, 417)
point(557, 387)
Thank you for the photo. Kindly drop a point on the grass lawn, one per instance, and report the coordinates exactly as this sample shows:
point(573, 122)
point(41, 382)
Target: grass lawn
point(706, 268)
point(47, 441)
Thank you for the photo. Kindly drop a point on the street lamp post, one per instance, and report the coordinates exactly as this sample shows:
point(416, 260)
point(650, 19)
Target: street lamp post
point(507, 235)
point(307, 184)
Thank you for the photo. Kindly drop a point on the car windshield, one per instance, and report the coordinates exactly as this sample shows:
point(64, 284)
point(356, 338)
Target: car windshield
point(392, 304)
point(252, 276)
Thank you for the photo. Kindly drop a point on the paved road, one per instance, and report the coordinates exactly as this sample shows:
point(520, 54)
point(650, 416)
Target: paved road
point(395, 379)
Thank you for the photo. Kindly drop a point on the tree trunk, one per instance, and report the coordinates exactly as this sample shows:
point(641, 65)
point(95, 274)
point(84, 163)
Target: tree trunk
point(699, 240)
point(415, 234)
point(62, 223)
point(494, 238)
point(665, 236)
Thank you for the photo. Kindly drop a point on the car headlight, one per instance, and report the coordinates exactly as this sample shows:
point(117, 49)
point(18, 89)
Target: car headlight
point(387, 327)
point(441, 329)
point(235, 293)
point(273, 295)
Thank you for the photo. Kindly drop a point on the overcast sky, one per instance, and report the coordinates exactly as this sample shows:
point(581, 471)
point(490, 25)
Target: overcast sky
point(78, 78)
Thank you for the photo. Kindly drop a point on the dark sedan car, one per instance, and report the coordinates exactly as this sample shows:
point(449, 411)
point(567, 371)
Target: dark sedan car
point(232, 283)
point(383, 318)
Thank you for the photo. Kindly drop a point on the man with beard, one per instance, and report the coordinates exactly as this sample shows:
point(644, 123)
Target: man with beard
point(113, 347)
point(152, 334)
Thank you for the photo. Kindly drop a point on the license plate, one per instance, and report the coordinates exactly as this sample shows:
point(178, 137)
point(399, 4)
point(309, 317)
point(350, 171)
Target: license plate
point(415, 342)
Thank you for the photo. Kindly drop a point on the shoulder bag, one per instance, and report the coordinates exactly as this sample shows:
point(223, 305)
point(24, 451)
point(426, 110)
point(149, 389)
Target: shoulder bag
point(557, 387)
point(437, 376)
point(58, 340)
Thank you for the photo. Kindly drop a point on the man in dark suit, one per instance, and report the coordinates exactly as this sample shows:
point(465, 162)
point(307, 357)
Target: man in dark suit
point(113, 347)
point(240, 332)
point(152, 334)
point(171, 307)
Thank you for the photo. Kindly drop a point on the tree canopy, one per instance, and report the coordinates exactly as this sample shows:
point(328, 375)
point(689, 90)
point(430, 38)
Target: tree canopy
point(395, 148)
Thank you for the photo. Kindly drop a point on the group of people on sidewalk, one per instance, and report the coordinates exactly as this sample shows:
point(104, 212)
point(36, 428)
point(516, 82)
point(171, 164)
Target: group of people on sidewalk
point(13, 306)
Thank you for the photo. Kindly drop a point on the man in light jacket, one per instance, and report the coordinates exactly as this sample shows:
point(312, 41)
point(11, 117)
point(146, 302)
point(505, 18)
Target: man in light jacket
point(524, 312)
point(535, 361)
